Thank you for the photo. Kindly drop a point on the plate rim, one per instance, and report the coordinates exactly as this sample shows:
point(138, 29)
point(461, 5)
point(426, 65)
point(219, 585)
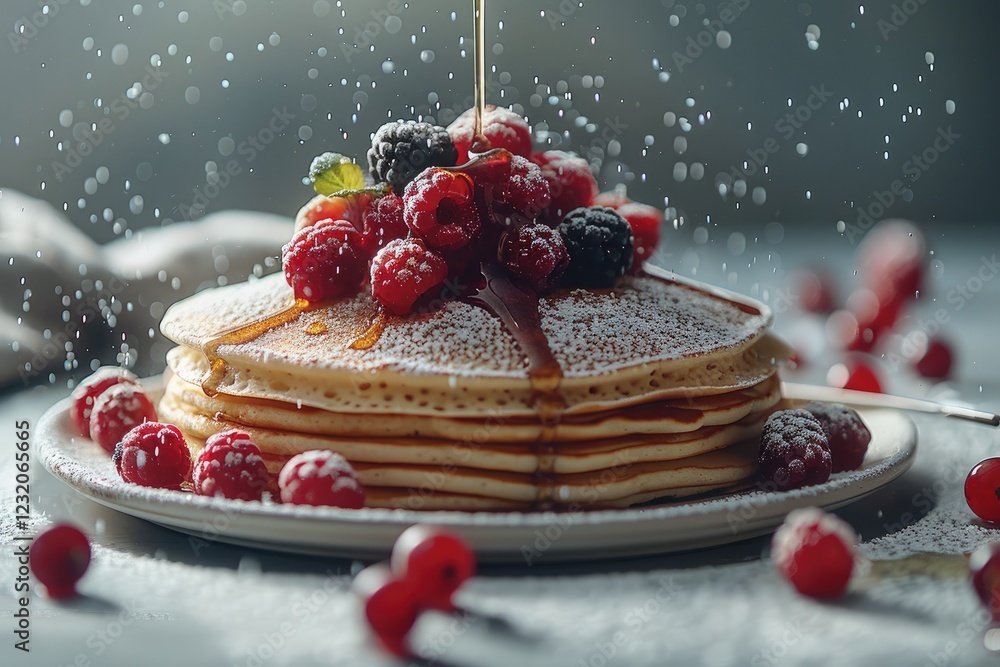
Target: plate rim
point(182, 509)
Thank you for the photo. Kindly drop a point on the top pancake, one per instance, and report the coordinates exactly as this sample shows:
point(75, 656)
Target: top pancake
point(648, 336)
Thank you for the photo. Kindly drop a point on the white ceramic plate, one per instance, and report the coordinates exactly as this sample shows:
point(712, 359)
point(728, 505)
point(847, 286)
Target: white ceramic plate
point(496, 536)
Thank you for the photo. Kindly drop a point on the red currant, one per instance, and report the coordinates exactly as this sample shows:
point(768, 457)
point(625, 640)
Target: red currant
point(320, 477)
point(984, 567)
point(814, 290)
point(815, 551)
point(982, 490)
point(87, 392)
point(391, 607)
point(58, 558)
point(934, 359)
point(435, 563)
point(855, 375)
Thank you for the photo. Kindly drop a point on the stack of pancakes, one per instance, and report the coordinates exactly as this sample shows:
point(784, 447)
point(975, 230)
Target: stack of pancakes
point(665, 386)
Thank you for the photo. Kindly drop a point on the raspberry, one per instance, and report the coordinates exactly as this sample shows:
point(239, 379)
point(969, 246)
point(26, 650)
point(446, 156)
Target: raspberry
point(116, 411)
point(320, 477)
point(526, 190)
point(645, 222)
point(403, 271)
point(794, 452)
point(230, 466)
point(891, 261)
point(87, 392)
point(535, 253)
point(846, 435)
point(599, 242)
point(502, 128)
point(815, 551)
point(439, 207)
point(153, 454)
point(434, 563)
point(58, 558)
point(322, 207)
point(982, 490)
point(402, 150)
point(383, 222)
point(325, 261)
point(571, 182)
point(612, 198)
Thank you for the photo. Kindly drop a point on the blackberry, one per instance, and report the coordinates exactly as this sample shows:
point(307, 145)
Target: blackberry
point(599, 241)
point(793, 450)
point(401, 150)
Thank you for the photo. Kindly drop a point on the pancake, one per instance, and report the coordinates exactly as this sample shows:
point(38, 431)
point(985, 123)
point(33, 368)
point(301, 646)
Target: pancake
point(661, 391)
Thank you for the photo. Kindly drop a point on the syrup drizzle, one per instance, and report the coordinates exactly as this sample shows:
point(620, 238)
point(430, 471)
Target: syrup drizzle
point(479, 142)
point(243, 334)
point(372, 333)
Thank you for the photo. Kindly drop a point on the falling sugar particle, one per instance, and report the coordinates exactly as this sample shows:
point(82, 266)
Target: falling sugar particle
point(802, 149)
point(182, 17)
point(192, 94)
point(393, 24)
point(274, 39)
point(759, 195)
point(164, 138)
point(136, 204)
point(949, 107)
point(427, 56)
point(88, 43)
point(929, 58)
point(65, 117)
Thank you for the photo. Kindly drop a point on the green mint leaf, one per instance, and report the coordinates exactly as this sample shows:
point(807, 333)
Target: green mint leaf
point(332, 172)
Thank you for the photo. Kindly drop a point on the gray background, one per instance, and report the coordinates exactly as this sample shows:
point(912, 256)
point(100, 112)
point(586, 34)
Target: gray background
point(543, 48)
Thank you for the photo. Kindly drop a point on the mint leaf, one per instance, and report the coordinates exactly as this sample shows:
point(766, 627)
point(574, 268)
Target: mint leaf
point(332, 172)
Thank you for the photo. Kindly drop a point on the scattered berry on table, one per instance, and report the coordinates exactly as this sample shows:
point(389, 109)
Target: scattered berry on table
point(435, 562)
point(535, 253)
point(501, 127)
point(439, 207)
point(984, 568)
point(846, 434)
point(116, 411)
point(812, 290)
point(391, 607)
point(155, 455)
point(86, 393)
point(933, 359)
point(815, 551)
point(571, 182)
point(402, 150)
point(58, 558)
point(599, 242)
point(793, 450)
point(856, 375)
point(320, 477)
point(982, 490)
point(230, 466)
point(404, 271)
point(325, 260)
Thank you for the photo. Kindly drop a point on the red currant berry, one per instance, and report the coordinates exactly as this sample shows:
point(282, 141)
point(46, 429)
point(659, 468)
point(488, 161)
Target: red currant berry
point(155, 455)
point(439, 207)
point(320, 477)
point(984, 568)
point(230, 466)
point(435, 563)
point(391, 607)
point(403, 271)
point(891, 261)
point(982, 490)
point(325, 260)
point(933, 359)
point(571, 182)
point(383, 222)
point(87, 392)
point(814, 290)
point(502, 128)
point(855, 375)
point(815, 551)
point(117, 411)
point(58, 559)
point(535, 253)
